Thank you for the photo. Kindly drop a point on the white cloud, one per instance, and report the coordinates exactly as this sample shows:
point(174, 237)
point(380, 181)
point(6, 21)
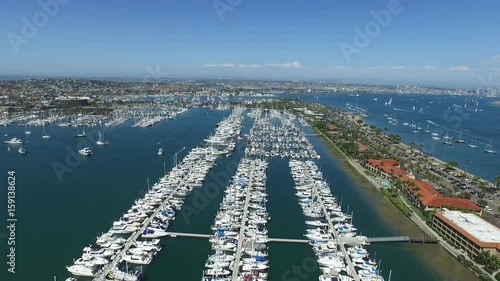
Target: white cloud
point(341, 67)
point(249, 65)
point(380, 67)
point(294, 64)
point(430, 67)
point(459, 68)
point(399, 67)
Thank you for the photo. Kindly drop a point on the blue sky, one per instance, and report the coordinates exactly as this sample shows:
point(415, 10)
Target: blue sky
point(430, 42)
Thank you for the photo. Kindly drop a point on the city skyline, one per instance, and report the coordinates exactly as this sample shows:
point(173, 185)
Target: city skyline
point(393, 42)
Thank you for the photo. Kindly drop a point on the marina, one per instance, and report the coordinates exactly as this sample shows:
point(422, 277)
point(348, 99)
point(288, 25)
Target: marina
point(131, 259)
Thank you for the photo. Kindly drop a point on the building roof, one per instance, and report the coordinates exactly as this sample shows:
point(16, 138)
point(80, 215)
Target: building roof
point(483, 233)
point(429, 196)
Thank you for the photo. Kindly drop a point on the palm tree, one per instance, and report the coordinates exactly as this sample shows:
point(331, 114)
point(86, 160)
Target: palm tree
point(497, 181)
point(412, 145)
point(420, 147)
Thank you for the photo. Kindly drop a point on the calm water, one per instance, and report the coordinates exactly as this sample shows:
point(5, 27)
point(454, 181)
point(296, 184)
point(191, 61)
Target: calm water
point(56, 219)
point(444, 114)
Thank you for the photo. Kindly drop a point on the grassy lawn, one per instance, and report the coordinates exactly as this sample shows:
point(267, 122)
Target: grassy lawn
point(397, 202)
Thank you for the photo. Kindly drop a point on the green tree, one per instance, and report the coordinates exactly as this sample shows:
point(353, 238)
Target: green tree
point(482, 203)
point(465, 195)
point(412, 145)
point(497, 181)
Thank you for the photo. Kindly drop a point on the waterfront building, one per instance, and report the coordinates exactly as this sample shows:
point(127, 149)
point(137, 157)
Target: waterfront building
point(72, 101)
point(420, 193)
point(468, 231)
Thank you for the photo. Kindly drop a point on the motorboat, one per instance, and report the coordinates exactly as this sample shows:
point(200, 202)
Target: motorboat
point(80, 270)
point(160, 151)
point(85, 151)
point(117, 274)
point(138, 259)
point(14, 141)
point(21, 150)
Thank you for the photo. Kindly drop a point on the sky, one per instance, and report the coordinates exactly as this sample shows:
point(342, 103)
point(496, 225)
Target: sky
point(426, 42)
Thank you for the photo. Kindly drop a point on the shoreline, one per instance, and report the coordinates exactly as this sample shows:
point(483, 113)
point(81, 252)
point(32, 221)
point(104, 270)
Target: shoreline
point(409, 225)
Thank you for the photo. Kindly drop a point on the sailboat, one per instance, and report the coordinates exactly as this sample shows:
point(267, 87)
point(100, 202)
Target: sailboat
point(80, 135)
point(489, 149)
point(421, 109)
point(472, 144)
point(26, 131)
point(459, 138)
point(447, 139)
point(427, 130)
point(101, 140)
point(388, 102)
point(413, 124)
point(415, 128)
point(45, 136)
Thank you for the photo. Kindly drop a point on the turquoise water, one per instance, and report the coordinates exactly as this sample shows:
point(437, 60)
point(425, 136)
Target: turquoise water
point(56, 219)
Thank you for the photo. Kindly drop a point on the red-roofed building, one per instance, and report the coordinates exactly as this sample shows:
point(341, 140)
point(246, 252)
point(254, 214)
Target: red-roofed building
point(420, 193)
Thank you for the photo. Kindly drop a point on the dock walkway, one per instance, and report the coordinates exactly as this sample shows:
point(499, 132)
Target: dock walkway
point(236, 268)
point(101, 276)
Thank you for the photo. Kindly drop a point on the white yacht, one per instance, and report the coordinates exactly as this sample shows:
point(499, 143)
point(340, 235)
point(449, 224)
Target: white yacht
point(14, 141)
point(136, 259)
point(160, 151)
point(117, 274)
point(85, 151)
point(80, 270)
